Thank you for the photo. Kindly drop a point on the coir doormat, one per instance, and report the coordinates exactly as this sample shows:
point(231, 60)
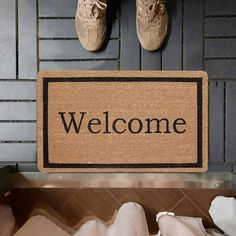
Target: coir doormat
point(130, 121)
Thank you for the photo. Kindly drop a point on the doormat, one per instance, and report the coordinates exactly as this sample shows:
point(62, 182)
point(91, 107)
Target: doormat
point(123, 121)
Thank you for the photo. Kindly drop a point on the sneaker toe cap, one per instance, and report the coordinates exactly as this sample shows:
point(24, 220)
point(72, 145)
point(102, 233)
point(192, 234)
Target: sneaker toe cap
point(92, 41)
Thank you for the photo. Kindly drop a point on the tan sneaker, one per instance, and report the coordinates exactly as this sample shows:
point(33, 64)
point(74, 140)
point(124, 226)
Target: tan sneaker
point(151, 23)
point(90, 23)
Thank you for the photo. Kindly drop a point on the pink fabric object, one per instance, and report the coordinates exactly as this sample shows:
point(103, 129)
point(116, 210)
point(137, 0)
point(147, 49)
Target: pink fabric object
point(92, 228)
point(223, 213)
point(181, 226)
point(40, 226)
point(130, 221)
point(7, 221)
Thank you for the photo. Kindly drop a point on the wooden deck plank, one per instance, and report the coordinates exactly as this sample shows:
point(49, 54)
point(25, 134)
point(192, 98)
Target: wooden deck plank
point(221, 69)
point(67, 8)
point(17, 152)
point(17, 111)
point(8, 39)
point(17, 90)
point(72, 49)
point(27, 39)
point(220, 48)
point(57, 8)
point(18, 132)
point(130, 47)
point(216, 124)
point(80, 65)
point(220, 7)
point(172, 50)
point(150, 60)
point(193, 35)
point(230, 147)
point(65, 28)
point(220, 27)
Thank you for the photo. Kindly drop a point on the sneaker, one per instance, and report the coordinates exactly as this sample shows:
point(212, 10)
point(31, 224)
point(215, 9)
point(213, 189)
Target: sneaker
point(90, 23)
point(151, 23)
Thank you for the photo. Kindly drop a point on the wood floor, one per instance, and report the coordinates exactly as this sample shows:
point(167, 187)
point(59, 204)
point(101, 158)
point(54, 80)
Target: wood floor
point(39, 35)
point(70, 206)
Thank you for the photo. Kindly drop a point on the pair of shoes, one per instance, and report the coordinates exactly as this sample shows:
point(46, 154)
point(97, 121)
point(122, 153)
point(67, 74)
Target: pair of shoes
point(151, 23)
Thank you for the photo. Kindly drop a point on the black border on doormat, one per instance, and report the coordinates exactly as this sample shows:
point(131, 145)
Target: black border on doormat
point(197, 164)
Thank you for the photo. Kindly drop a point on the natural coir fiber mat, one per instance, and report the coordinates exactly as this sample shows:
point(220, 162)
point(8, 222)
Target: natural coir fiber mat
point(127, 121)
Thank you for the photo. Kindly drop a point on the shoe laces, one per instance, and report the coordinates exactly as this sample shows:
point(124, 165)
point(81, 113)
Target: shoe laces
point(150, 11)
point(93, 9)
